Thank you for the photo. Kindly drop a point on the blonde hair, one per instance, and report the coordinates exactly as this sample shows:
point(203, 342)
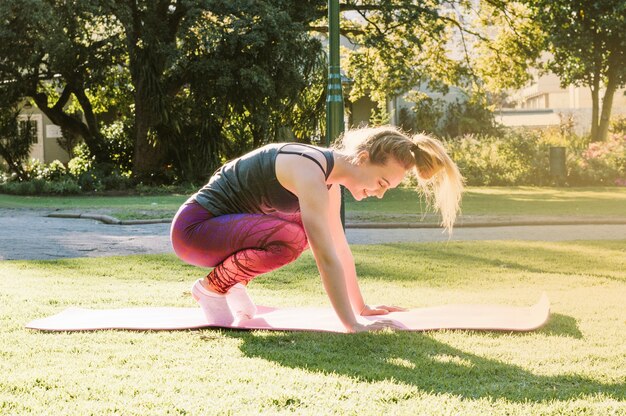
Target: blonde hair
point(444, 185)
point(444, 188)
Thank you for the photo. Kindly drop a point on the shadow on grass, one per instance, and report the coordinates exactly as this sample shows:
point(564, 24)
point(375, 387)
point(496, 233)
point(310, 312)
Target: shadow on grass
point(418, 360)
point(516, 256)
point(558, 325)
point(563, 326)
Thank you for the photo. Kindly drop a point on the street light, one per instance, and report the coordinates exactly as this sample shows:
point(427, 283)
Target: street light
point(334, 95)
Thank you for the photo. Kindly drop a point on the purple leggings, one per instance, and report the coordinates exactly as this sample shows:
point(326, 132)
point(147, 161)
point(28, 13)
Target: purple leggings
point(238, 246)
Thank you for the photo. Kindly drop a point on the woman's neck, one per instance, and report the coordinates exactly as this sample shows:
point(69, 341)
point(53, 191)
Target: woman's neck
point(343, 169)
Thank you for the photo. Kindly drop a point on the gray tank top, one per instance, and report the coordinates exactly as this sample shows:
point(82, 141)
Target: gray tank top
point(249, 184)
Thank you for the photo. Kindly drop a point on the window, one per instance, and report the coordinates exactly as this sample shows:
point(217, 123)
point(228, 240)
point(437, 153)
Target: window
point(32, 125)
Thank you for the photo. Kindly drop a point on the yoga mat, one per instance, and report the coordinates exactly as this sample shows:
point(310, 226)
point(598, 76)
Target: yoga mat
point(478, 317)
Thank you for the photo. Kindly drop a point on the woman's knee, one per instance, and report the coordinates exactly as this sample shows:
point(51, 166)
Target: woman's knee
point(296, 237)
point(291, 246)
point(189, 235)
point(281, 254)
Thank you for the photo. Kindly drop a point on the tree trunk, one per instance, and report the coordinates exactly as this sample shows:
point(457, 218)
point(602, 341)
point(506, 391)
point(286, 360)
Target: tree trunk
point(595, 107)
point(148, 155)
point(607, 106)
point(96, 143)
point(146, 64)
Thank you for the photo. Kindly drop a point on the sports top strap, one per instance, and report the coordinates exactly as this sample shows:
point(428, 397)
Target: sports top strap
point(281, 151)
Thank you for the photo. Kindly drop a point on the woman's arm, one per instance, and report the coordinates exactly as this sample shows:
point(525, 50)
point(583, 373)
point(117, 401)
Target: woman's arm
point(314, 207)
point(343, 250)
point(347, 260)
point(306, 181)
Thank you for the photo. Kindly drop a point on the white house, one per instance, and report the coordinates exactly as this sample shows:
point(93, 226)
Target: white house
point(543, 103)
point(46, 148)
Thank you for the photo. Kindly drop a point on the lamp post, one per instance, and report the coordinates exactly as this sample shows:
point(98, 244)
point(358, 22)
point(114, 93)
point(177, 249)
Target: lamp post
point(334, 95)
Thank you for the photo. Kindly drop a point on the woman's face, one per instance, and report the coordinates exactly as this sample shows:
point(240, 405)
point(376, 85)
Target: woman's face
point(373, 180)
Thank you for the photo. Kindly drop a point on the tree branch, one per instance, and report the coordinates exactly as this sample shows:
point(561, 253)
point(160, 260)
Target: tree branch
point(63, 99)
point(58, 116)
point(324, 29)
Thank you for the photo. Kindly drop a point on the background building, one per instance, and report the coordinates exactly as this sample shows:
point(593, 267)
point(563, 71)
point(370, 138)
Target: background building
point(545, 103)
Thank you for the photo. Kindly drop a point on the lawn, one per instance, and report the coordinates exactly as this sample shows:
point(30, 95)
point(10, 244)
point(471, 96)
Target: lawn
point(398, 203)
point(573, 366)
point(500, 201)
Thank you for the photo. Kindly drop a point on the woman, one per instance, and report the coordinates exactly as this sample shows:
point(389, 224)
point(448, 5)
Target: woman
point(260, 211)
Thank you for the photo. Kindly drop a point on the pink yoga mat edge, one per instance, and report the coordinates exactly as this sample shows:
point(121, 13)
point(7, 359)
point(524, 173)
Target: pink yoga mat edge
point(469, 317)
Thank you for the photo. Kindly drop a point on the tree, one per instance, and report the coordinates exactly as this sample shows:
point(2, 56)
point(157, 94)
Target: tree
point(57, 52)
point(401, 44)
point(585, 43)
point(16, 140)
point(150, 32)
point(209, 79)
point(510, 43)
point(236, 61)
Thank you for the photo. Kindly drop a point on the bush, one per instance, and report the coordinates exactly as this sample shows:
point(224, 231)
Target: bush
point(448, 119)
point(119, 136)
point(521, 157)
point(517, 158)
point(16, 139)
point(80, 163)
point(66, 186)
point(36, 170)
point(618, 125)
point(600, 163)
point(80, 175)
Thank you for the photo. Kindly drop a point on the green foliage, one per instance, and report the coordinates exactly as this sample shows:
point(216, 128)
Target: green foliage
point(509, 42)
point(379, 116)
point(448, 119)
point(119, 137)
point(55, 52)
point(81, 162)
point(425, 115)
point(517, 158)
point(586, 38)
point(399, 45)
point(193, 143)
point(68, 141)
point(65, 186)
point(587, 44)
point(583, 42)
point(468, 117)
point(40, 179)
point(80, 175)
point(600, 163)
point(618, 125)
point(304, 114)
point(170, 89)
point(16, 140)
point(521, 157)
point(200, 66)
point(53, 171)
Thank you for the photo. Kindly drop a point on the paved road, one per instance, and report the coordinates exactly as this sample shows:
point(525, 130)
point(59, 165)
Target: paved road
point(28, 234)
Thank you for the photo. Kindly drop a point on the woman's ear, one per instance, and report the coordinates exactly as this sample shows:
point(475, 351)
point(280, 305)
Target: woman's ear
point(362, 157)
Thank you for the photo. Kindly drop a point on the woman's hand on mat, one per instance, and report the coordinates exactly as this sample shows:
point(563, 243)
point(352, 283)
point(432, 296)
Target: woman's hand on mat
point(380, 310)
point(376, 326)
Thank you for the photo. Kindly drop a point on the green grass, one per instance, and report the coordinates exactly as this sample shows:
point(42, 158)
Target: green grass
point(503, 201)
point(573, 366)
point(398, 203)
point(122, 207)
